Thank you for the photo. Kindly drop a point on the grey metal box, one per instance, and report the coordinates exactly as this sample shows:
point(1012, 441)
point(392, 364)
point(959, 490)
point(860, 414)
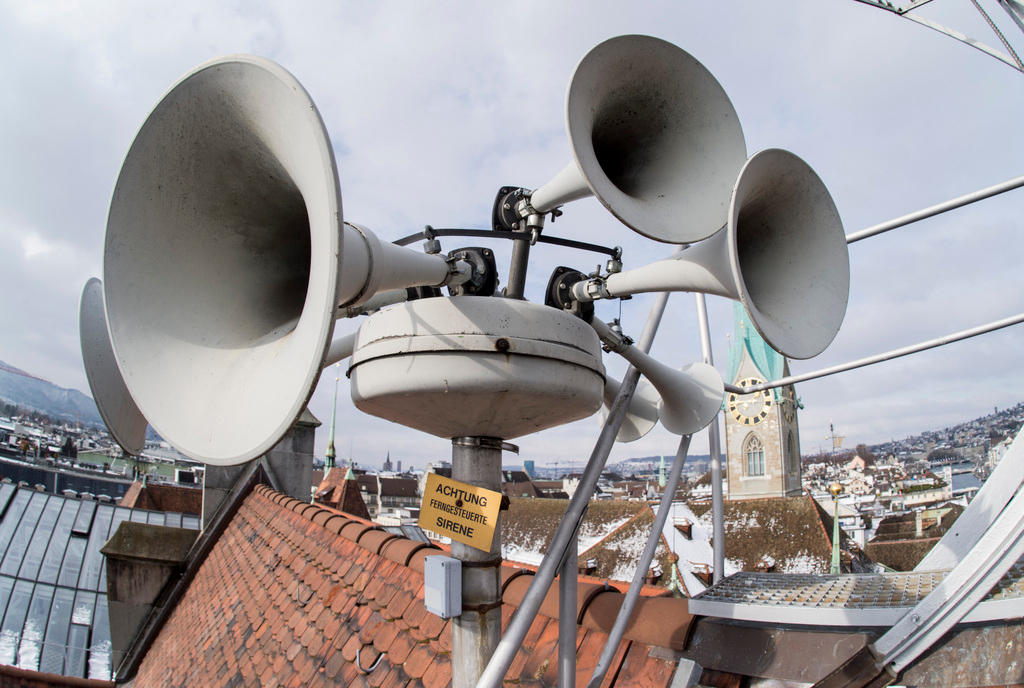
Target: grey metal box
point(442, 586)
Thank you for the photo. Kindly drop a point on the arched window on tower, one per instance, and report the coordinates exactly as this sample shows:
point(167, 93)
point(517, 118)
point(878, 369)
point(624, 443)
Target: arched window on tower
point(753, 450)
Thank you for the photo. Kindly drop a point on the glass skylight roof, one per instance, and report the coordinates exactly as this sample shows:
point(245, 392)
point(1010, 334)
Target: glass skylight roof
point(53, 581)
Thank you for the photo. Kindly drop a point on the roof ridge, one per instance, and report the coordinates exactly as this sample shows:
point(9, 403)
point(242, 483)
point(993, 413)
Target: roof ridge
point(614, 531)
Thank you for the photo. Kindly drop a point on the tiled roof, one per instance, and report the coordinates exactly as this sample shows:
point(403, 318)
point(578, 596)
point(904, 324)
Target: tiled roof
point(156, 497)
point(338, 493)
point(529, 525)
point(399, 487)
point(367, 482)
point(793, 531)
point(295, 594)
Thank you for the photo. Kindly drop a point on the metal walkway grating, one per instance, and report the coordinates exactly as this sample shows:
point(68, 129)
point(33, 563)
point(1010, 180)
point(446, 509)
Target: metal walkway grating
point(843, 599)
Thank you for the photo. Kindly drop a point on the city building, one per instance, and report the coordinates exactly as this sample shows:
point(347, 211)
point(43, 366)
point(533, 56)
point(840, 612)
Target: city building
point(762, 434)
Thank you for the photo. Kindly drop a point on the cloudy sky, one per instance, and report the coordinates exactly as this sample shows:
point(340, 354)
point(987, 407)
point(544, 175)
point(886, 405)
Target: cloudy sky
point(432, 106)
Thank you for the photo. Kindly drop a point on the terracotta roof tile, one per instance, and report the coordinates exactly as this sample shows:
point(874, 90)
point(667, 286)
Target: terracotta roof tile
point(418, 660)
point(439, 674)
point(640, 669)
point(529, 642)
point(544, 652)
point(396, 678)
point(283, 599)
point(399, 550)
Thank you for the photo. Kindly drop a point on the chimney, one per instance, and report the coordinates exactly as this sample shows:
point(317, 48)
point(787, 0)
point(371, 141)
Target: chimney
point(140, 560)
point(289, 465)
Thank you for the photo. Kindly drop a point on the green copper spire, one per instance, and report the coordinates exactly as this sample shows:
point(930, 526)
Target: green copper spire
point(329, 460)
point(745, 337)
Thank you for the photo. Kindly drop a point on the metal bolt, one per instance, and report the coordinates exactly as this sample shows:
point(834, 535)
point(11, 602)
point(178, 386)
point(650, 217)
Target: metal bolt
point(501, 345)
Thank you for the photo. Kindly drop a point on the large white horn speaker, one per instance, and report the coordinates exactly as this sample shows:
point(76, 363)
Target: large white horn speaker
point(783, 254)
point(642, 415)
point(122, 417)
point(654, 137)
point(227, 259)
point(690, 397)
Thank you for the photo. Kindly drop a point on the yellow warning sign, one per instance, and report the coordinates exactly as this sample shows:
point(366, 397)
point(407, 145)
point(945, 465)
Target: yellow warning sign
point(465, 513)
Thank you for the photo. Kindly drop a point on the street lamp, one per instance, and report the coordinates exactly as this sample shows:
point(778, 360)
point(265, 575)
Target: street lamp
point(835, 489)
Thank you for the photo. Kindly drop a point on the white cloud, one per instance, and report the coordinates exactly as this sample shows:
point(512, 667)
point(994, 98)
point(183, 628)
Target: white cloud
point(432, 107)
point(33, 245)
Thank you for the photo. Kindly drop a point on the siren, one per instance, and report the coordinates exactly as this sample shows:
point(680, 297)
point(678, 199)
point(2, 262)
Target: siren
point(122, 417)
point(783, 254)
point(690, 397)
point(642, 414)
point(654, 137)
point(227, 260)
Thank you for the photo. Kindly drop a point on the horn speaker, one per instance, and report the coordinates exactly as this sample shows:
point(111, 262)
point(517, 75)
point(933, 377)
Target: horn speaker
point(227, 259)
point(642, 415)
point(690, 397)
point(122, 417)
point(783, 254)
point(654, 137)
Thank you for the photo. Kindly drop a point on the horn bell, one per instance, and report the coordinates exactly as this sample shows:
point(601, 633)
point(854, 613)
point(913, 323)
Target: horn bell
point(654, 136)
point(122, 417)
point(221, 260)
point(783, 254)
point(690, 397)
point(642, 415)
point(789, 253)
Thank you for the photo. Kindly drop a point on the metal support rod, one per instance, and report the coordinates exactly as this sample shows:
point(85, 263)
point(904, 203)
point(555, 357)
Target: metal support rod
point(834, 566)
point(979, 195)
point(1015, 9)
point(520, 622)
point(475, 634)
point(999, 548)
point(517, 268)
point(999, 34)
point(633, 594)
point(567, 583)
point(715, 449)
point(887, 356)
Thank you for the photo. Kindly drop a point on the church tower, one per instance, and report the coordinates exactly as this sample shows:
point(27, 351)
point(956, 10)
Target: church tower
point(762, 435)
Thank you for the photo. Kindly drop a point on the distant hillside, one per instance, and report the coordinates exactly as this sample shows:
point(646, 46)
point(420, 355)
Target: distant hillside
point(28, 391)
point(642, 463)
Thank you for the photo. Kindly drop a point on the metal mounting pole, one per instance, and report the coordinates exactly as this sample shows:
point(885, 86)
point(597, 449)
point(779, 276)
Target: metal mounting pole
point(476, 632)
point(517, 268)
point(834, 567)
point(714, 448)
point(520, 623)
point(567, 612)
point(629, 602)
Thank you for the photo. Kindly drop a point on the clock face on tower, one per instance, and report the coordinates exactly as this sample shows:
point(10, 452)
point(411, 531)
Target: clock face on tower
point(750, 409)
